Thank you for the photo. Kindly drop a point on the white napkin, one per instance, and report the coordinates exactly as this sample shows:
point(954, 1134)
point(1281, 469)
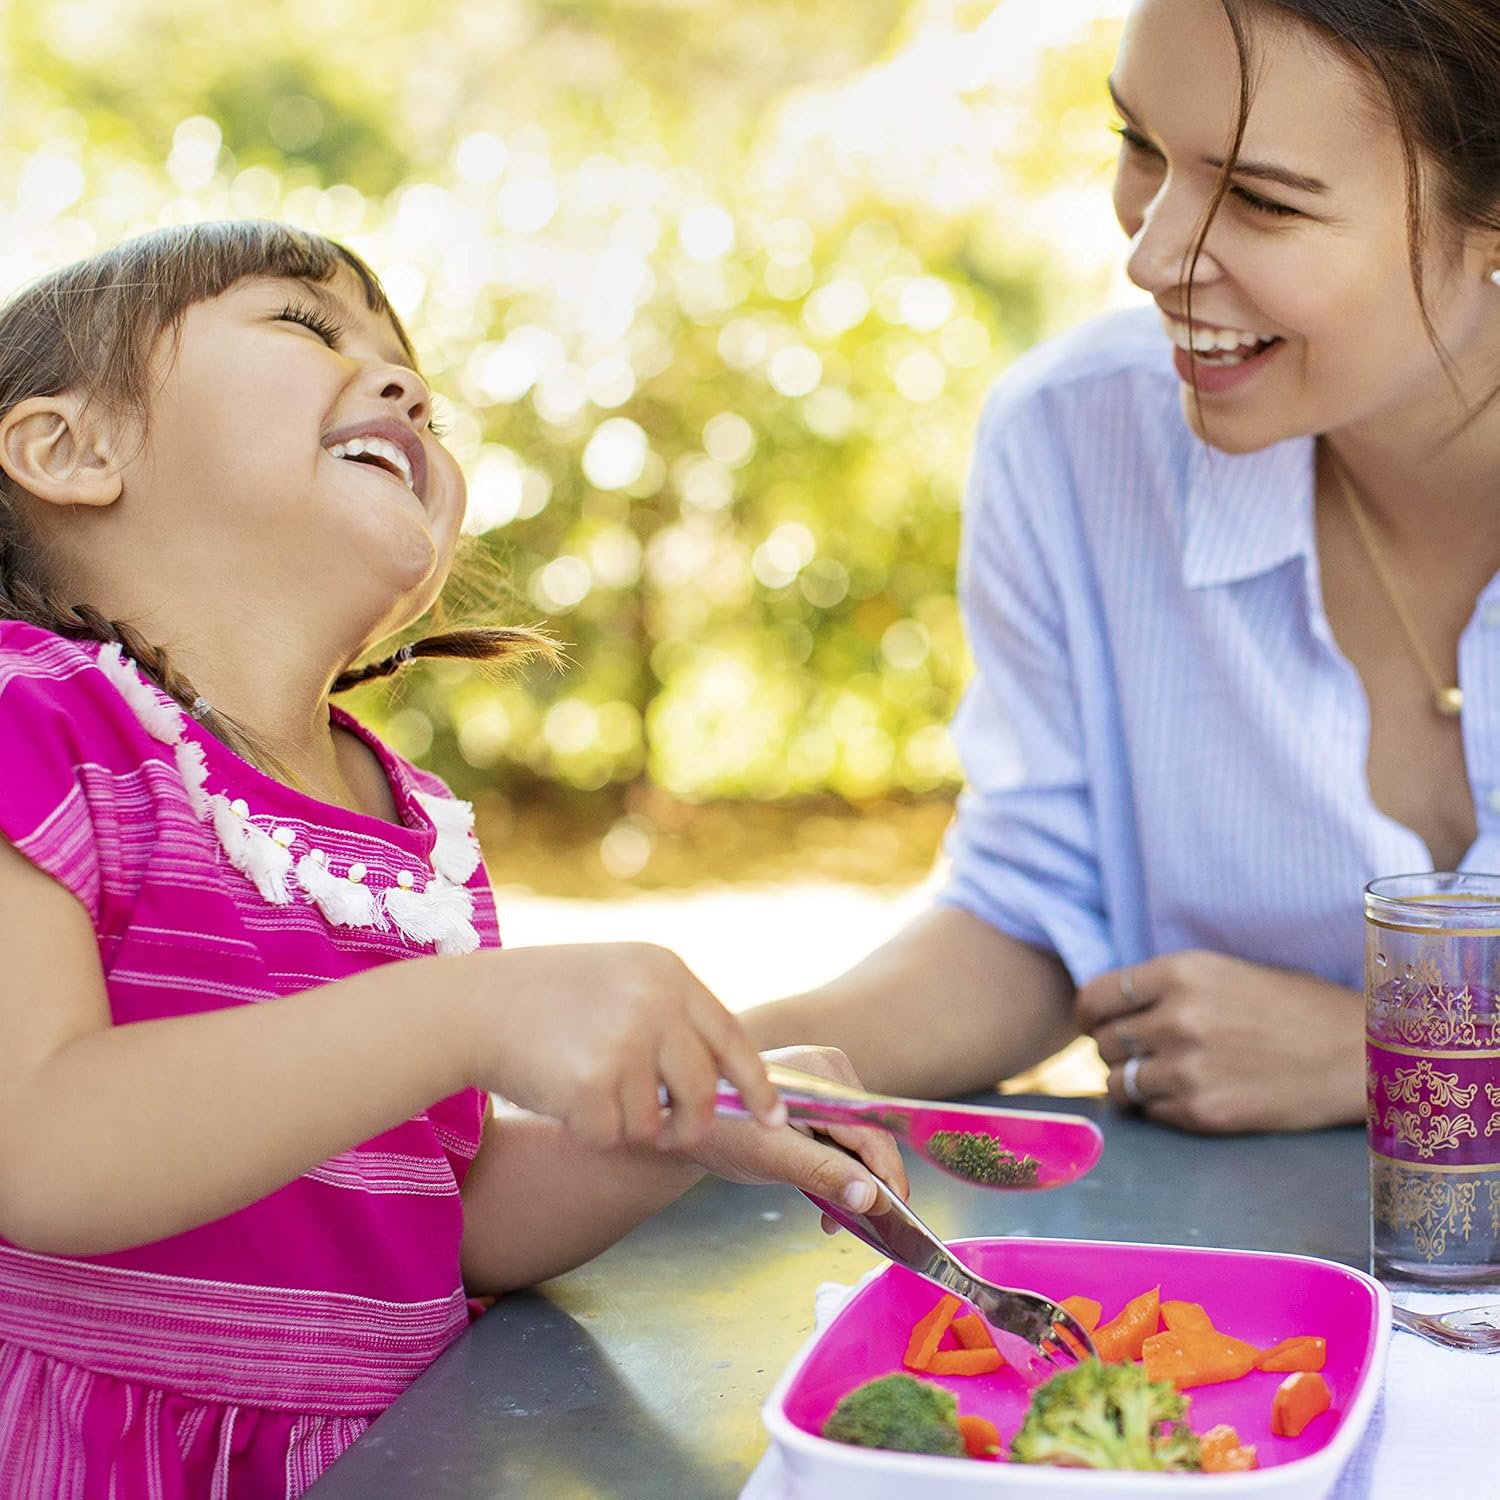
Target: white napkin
point(1433, 1429)
point(1432, 1433)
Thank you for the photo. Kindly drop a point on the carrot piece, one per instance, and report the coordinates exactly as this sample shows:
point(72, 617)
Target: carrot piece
point(1183, 1315)
point(1235, 1460)
point(1085, 1309)
point(1298, 1399)
point(1217, 1440)
point(981, 1439)
point(928, 1334)
point(972, 1332)
point(1197, 1356)
point(1302, 1352)
point(1121, 1338)
point(1224, 1453)
point(965, 1361)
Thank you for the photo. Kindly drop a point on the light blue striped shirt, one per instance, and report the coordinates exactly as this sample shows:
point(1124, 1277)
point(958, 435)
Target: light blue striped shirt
point(1164, 746)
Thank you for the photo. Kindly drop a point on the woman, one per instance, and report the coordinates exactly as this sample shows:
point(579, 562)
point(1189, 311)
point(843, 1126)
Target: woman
point(1229, 579)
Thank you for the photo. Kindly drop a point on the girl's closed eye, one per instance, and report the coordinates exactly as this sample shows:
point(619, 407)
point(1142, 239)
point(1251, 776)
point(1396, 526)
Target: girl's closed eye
point(310, 317)
point(331, 333)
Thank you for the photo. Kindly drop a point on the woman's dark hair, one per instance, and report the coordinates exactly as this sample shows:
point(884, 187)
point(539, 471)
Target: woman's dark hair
point(94, 327)
point(1438, 65)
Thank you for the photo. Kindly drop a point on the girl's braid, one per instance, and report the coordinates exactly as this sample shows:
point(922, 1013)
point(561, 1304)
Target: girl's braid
point(489, 643)
point(152, 660)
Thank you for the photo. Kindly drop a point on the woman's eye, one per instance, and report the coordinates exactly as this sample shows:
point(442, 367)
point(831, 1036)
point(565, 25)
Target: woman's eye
point(1137, 144)
point(1134, 140)
point(1262, 205)
point(309, 317)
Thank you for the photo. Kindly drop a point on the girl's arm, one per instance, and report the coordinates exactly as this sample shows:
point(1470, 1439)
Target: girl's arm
point(537, 1202)
point(111, 1136)
point(948, 1006)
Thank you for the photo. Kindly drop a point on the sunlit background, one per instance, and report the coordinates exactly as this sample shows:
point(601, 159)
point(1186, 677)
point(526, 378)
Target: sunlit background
point(712, 290)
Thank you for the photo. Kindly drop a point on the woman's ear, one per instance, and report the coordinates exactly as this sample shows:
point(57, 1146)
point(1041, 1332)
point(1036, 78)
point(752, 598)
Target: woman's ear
point(53, 448)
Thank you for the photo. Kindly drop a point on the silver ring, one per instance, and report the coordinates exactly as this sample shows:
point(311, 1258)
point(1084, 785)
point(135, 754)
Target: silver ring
point(1127, 986)
point(1130, 1079)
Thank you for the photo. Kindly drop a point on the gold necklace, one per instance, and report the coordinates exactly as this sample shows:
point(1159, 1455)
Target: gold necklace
point(1447, 699)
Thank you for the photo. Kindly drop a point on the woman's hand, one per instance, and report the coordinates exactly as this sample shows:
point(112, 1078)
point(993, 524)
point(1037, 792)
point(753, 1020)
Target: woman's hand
point(1224, 1045)
point(743, 1151)
point(590, 1033)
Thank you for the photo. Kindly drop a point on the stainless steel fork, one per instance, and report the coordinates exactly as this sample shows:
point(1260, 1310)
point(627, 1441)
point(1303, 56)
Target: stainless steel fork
point(1476, 1328)
point(1024, 1324)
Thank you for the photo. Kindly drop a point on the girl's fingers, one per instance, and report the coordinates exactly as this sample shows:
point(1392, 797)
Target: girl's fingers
point(640, 1105)
point(691, 1078)
point(878, 1151)
point(737, 1058)
point(597, 1120)
point(825, 1170)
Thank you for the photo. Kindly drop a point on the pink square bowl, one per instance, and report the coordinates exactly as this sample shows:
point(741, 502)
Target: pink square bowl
point(1254, 1295)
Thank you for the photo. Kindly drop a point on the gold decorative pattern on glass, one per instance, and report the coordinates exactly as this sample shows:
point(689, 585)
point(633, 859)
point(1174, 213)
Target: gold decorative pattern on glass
point(1431, 1207)
point(1410, 1085)
point(1425, 1013)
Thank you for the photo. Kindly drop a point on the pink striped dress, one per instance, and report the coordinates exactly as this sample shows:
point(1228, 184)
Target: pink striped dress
point(239, 1359)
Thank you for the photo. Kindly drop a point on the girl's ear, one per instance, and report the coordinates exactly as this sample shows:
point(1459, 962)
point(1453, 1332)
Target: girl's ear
point(51, 449)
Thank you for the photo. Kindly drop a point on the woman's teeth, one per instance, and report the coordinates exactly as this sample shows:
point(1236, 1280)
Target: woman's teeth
point(377, 450)
point(1218, 346)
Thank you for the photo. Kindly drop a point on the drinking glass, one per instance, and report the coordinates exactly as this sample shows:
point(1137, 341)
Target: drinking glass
point(1432, 1079)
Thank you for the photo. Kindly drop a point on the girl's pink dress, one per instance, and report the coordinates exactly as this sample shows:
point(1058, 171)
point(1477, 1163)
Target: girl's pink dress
point(241, 1358)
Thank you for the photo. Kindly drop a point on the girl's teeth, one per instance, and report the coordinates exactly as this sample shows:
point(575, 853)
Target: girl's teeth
point(375, 447)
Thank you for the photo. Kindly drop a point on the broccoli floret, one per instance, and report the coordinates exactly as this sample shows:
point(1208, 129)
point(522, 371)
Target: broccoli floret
point(898, 1412)
point(1107, 1416)
point(981, 1158)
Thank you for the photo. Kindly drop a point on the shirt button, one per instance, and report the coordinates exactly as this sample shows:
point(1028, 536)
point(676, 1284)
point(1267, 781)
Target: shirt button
point(1494, 800)
point(1491, 615)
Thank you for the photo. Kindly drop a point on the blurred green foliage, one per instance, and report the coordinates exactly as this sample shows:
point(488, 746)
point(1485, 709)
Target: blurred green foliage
point(713, 291)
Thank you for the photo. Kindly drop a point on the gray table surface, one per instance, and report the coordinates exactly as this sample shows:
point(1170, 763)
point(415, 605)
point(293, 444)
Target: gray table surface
point(642, 1373)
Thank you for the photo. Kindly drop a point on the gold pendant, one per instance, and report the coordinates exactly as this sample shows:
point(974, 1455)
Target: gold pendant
point(1449, 702)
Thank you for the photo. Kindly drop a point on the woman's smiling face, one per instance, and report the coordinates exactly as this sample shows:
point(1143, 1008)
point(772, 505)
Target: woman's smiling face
point(1304, 314)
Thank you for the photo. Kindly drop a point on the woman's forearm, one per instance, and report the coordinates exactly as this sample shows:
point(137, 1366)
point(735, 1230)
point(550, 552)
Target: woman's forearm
point(948, 1006)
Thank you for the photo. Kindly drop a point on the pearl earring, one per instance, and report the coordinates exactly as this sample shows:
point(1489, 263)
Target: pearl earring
point(1495, 276)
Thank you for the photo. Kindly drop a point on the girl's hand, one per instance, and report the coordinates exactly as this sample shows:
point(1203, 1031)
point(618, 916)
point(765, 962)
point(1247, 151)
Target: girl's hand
point(1226, 1045)
point(589, 1033)
point(743, 1151)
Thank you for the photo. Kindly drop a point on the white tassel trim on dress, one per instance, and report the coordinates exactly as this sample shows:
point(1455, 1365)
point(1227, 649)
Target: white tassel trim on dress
point(162, 721)
point(455, 855)
point(344, 902)
point(193, 769)
point(250, 851)
point(442, 914)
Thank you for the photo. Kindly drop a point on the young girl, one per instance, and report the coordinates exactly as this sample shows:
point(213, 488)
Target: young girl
point(247, 1175)
point(1232, 582)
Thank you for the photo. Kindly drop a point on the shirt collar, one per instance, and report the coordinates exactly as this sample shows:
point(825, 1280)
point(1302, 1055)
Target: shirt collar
point(1247, 512)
